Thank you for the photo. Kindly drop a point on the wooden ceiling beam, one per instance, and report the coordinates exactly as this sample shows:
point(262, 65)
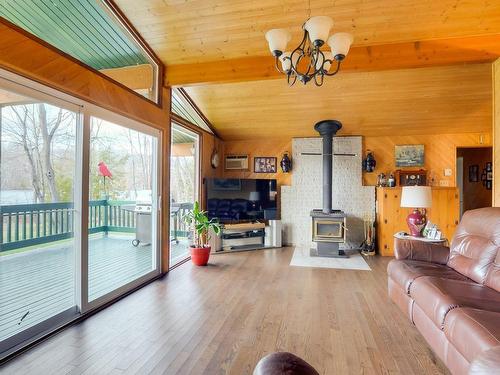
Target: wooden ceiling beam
point(455, 51)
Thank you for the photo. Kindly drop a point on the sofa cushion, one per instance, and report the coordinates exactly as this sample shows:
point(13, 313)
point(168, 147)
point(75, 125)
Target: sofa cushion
point(493, 277)
point(472, 331)
point(476, 243)
point(437, 296)
point(404, 272)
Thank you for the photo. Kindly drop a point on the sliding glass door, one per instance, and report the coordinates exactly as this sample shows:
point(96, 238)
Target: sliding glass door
point(184, 181)
point(123, 206)
point(79, 208)
point(38, 250)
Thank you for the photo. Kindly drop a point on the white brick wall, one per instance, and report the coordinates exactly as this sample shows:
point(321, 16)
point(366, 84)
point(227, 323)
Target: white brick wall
point(305, 192)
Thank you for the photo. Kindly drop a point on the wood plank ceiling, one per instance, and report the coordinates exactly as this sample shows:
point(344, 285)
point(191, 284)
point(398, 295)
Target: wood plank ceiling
point(208, 43)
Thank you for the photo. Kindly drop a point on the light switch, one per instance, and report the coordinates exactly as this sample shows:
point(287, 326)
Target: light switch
point(444, 183)
point(448, 172)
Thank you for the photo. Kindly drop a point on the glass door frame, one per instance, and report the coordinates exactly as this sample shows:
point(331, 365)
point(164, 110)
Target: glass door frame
point(197, 168)
point(97, 112)
point(85, 110)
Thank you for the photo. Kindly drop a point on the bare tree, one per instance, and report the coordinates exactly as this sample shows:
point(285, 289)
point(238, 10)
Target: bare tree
point(34, 130)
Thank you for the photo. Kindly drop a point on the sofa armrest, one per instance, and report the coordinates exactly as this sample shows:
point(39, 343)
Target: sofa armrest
point(419, 250)
point(486, 363)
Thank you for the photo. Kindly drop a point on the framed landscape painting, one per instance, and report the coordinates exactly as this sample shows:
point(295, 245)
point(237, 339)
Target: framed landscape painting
point(409, 155)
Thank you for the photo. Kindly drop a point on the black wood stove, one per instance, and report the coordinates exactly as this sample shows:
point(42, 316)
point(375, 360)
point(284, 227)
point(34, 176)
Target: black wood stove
point(328, 226)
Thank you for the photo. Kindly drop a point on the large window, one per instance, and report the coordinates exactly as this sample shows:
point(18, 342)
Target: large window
point(89, 31)
point(37, 244)
point(79, 190)
point(184, 181)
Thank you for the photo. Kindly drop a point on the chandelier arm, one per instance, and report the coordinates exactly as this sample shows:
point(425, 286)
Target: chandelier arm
point(291, 83)
point(336, 70)
point(320, 83)
point(301, 49)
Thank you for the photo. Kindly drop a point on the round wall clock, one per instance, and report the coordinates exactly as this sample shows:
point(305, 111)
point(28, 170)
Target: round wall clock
point(214, 159)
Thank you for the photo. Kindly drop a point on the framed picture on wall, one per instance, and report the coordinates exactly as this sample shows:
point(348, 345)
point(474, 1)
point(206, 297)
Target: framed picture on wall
point(265, 164)
point(409, 155)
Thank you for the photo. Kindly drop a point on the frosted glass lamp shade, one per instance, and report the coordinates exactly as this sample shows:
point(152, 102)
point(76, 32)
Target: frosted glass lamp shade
point(340, 43)
point(278, 39)
point(318, 28)
point(416, 197)
point(326, 65)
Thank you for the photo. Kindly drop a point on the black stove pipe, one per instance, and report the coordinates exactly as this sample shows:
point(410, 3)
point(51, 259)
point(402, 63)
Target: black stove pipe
point(327, 130)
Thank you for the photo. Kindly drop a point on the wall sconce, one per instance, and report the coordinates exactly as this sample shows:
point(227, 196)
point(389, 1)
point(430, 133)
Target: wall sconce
point(369, 163)
point(286, 163)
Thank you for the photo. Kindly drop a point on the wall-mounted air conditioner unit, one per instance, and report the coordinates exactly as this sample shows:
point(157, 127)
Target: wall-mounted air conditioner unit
point(236, 162)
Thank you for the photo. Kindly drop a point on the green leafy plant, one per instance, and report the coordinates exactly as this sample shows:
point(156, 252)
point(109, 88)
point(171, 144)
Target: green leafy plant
point(201, 225)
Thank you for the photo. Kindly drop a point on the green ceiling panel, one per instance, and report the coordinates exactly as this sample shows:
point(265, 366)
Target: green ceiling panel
point(81, 28)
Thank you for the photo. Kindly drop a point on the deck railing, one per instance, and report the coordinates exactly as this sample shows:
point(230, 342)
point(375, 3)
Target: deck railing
point(23, 225)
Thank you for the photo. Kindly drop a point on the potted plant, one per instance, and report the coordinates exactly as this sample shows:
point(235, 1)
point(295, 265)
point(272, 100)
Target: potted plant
point(201, 226)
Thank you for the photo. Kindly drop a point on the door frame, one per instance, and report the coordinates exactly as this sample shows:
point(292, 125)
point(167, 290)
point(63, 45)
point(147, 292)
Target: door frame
point(85, 110)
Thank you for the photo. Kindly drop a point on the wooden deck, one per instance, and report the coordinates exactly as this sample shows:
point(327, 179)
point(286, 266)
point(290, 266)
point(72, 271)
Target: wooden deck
point(41, 283)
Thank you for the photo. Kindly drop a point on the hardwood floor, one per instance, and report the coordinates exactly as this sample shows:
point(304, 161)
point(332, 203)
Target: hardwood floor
point(223, 318)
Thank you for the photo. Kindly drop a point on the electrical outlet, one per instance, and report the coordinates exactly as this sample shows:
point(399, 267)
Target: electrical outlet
point(448, 172)
point(444, 183)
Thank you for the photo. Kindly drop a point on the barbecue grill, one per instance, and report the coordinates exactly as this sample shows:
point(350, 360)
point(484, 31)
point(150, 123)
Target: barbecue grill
point(143, 223)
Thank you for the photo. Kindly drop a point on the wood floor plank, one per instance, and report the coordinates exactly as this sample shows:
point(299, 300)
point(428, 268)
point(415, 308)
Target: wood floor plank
point(223, 318)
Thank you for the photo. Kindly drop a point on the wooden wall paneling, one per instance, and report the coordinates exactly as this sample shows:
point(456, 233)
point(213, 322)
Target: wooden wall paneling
point(438, 100)
point(440, 153)
point(496, 133)
point(392, 218)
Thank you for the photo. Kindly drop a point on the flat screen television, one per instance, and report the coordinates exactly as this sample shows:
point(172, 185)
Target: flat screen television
point(233, 200)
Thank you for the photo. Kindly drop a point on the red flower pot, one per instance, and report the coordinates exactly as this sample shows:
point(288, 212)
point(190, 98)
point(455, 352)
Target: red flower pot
point(200, 255)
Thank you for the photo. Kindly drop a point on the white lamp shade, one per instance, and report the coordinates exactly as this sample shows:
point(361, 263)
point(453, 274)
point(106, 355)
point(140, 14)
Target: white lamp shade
point(278, 39)
point(340, 43)
point(416, 197)
point(254, 196)
point(327, 65)
point(318, 28)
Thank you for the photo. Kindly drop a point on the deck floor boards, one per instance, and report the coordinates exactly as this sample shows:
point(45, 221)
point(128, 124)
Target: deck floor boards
point(42, 281)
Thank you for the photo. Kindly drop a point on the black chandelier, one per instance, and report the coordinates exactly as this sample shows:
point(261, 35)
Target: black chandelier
point(317, 63)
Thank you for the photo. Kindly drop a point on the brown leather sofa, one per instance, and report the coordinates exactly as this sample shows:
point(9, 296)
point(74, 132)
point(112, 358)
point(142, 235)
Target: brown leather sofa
point(452, 295)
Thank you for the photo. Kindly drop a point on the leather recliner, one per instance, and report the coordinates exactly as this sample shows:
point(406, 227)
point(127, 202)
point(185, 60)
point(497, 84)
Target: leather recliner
point(452, 295)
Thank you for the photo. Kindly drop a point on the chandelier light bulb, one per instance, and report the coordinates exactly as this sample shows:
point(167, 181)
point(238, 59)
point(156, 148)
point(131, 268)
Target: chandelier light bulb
point(278, 39)
point(318, 28)
point(340, 43)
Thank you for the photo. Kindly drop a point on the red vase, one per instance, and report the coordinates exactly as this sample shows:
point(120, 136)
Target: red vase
point(200, 255)
point(416, 222)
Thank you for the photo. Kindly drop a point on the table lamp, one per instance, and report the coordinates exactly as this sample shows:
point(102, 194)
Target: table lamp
point(416, 197)
point(254, 198)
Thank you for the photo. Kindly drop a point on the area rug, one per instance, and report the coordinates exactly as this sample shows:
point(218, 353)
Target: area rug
point(302, 258)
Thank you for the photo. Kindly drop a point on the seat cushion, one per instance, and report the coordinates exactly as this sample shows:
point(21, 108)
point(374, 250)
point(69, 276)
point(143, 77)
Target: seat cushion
point(476, 243)
point(472, 331)
point(438, 296)
point(493, 278)
point(404, 272)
